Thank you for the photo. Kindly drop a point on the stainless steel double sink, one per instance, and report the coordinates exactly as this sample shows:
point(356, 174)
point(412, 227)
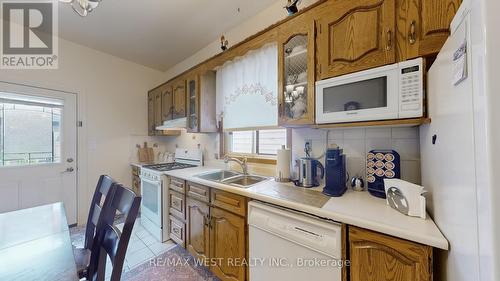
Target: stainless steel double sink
point(232, 178)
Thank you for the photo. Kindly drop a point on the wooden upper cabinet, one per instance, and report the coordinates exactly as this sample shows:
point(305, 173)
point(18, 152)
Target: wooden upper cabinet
point(197, 238)
point(354, 36)
point(296, 71)
point(179, 99)
point(227, 245)
point(193, 104)
point(166, 101)
point(151, 113)
point(376, 257)
point(423, 26)
point(157, 105)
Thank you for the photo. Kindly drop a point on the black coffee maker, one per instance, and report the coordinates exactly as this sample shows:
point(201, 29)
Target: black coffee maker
point(335, 172)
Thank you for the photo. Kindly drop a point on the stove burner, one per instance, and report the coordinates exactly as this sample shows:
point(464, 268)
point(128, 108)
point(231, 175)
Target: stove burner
point(168, 166)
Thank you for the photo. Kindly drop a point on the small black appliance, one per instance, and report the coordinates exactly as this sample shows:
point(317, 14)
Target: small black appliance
point(335, 170)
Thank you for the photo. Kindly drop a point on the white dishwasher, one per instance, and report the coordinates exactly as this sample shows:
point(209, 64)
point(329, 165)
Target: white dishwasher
point(288, 245)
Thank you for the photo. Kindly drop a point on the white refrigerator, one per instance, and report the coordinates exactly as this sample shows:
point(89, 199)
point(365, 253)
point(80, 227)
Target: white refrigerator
point(454, 151)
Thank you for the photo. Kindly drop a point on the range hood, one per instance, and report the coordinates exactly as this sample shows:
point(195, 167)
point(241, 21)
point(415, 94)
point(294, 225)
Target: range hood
point(174, 124)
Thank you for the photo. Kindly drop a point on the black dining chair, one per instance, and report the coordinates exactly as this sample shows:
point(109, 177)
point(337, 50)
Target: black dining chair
point(100, 202)
point(110, 240)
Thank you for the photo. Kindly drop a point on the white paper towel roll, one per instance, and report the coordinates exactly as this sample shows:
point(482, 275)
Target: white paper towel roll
point(283, 162)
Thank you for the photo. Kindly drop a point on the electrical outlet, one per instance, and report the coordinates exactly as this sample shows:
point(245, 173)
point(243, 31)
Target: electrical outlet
point(308, 145)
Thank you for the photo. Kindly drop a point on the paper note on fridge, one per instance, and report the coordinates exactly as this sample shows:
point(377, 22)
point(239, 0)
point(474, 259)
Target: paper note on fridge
point(460, 64)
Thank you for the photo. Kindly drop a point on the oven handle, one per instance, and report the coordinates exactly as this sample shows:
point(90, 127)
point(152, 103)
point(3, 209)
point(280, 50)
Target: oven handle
point(150, 181)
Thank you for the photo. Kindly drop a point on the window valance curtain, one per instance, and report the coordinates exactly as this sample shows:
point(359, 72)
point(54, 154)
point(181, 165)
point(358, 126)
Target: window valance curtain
point(247, 89)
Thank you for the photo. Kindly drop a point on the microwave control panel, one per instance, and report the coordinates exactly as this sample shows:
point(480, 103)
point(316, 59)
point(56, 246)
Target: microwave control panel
point(411, 89)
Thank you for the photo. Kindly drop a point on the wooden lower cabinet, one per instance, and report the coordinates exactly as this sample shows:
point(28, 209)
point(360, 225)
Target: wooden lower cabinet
point(197, 238)
point(216, 231)
point(177, 204)
point(377, 257)
point(136, 180)
point(227, 245)
point(178, 231)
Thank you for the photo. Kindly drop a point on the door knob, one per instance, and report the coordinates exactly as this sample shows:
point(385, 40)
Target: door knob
point(69, 160)
point(69, 170)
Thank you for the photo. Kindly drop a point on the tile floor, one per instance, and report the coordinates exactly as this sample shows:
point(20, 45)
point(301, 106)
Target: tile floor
point(141, 248)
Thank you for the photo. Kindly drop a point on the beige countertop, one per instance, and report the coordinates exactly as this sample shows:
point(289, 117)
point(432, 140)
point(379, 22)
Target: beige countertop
point(353, 208)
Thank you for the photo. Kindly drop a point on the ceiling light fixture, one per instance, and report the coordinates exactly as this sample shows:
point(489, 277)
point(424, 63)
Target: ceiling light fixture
point(82, 7)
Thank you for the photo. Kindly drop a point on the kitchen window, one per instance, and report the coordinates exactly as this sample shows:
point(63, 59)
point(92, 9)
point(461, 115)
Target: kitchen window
point(256, 142)
point(30, 130)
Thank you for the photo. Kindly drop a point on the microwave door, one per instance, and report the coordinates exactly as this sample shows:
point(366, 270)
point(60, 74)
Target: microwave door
point(370, 95)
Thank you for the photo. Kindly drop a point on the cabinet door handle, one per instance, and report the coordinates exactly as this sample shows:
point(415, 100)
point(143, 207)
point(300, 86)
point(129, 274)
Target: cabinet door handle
point(388, 47)
point(412, 34)
point(206, 220)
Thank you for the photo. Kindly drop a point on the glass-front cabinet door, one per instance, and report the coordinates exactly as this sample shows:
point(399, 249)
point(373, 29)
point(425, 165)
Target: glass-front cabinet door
point(192, 103)
point(296, 71)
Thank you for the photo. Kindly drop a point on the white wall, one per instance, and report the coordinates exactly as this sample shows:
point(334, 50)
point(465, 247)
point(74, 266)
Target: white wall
point(112, 105)
point(259, 22)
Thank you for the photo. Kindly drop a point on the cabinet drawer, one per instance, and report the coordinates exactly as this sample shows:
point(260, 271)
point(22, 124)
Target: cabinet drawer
point(177, 185)
point(198, 192)
point(177, 204)
point(229, 201)
point(178, 231)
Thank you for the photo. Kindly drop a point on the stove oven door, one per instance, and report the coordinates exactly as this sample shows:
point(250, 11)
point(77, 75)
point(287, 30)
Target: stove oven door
point(151, 204)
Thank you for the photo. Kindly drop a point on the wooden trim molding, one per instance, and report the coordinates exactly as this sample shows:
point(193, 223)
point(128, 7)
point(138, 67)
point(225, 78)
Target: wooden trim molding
point(379, 123)
point(252, 158)
point(254, 128)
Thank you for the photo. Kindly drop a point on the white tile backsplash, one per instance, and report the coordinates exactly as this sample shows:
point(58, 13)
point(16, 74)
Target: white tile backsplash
point(357, 142)
point(404, 133)
point(408, 149)
point(354, 134)
point(377, 143)
point(378, 133)
point(354, 147)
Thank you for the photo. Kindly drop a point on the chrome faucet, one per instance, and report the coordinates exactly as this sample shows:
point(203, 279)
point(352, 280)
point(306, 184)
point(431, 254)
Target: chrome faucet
point(243, 163)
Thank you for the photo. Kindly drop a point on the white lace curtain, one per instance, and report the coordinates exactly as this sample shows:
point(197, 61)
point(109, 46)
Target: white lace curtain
point(247, 89)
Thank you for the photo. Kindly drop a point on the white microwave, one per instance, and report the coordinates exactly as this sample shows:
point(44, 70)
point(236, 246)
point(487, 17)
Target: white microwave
point(388, 92)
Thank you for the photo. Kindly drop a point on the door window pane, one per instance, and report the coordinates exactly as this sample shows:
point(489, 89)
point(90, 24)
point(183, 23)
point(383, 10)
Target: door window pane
point(30, 133)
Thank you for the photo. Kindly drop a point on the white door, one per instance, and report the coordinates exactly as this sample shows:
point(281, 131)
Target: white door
point(37, 148)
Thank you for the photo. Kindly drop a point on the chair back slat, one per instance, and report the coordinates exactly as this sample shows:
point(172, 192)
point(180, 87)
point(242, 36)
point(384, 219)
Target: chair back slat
point(95, 215)
point(103, 188)
point(110, 240)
